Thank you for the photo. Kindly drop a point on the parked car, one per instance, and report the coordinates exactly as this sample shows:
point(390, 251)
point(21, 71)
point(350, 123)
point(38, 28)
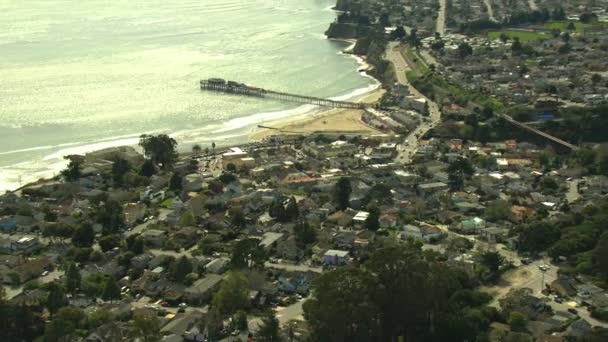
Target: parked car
point(573, 311)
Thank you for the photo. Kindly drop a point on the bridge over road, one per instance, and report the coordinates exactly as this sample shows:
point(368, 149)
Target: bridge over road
point(232, 87)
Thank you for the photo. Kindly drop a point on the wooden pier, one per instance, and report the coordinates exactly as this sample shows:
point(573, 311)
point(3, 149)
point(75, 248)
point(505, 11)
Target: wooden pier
point(231, 87)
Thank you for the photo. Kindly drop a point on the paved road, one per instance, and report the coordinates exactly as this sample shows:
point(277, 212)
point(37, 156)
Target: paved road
point(440, 27)
point(12, 292)
point(293, 268)
point(581, 312)
point(141, 227)
point(490, 10)
point(408, 148)
point(525, 276)
point(291, 312)
point(572, 195)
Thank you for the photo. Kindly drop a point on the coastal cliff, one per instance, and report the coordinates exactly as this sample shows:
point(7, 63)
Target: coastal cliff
point(371, 40)
point(339, 30)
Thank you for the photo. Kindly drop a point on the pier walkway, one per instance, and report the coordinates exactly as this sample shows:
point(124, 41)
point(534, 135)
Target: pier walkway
point(231, 87)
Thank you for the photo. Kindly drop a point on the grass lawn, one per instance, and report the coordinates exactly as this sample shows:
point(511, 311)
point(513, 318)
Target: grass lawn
point(523, 35)
point(167, 203)
point(561, 25)
point(418, 65)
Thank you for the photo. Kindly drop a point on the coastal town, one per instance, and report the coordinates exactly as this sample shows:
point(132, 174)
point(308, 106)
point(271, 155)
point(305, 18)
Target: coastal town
point(466, 202)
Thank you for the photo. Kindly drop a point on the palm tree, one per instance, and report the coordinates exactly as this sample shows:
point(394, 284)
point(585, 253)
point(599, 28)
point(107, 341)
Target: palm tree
point(196, 149)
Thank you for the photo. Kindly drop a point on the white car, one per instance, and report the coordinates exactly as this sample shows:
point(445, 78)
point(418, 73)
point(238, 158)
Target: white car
point(45, 273)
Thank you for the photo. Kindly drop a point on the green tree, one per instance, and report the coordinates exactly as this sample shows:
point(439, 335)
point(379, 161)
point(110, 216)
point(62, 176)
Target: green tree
point(56, 298)
point(215, 323)
point(110, 291)
point(196, 149)
point(147, 327)
point(455, 181)
point(517, 321)
point(109, 242)
point(135, 244)
point(83, 236)
point(240, 320)
point(233, 294)
point(110, 215)
point(120, 167)
point(343, 306)
point(492, 261)
point(291, 210)
point(147, 168)
point(18, 323)
point(73, 279)
point(64, 326)
point(497, 210)
point(161, 149)
point(92, 284)
point(372, 222)
point(342, 191)
point(570, 26)
point(175, 183)
point(99, 317)
point(305, 234)
point(595, 79)
point(181, 268)
point(237, 217)
point(269, 329)
point(247, 253)
point(73, 171)
point(504, 38)
point(600, 254)
point(537, 237)
point(464, 50)
point(399, 33)
point(516, 47)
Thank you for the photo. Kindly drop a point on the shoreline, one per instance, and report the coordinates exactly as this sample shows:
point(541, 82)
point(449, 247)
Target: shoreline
point(315, 119)
point(330, 120)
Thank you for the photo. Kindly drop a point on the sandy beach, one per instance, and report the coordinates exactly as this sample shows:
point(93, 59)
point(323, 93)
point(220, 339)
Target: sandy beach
point(332, 120)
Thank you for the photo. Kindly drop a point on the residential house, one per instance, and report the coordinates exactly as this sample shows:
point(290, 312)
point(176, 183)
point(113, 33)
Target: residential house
point(217, 266)
point(134, 212)
point(269, 240)
point(19, 243)
point(186, 237)
point(564, 287)
point(429, 189)
point(202, 289)
point(410, 232)
point(359, 219)
point(335, 257)
point(154, 237)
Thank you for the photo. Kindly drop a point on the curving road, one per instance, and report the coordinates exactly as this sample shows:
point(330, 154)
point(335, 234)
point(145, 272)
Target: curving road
point(490, 10)
point(532, 4)
point(410, 144)
point(440, 27)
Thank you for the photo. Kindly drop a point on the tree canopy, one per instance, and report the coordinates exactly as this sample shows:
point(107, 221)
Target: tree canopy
point(161, 149)
point(342, 191)
point(233, 294)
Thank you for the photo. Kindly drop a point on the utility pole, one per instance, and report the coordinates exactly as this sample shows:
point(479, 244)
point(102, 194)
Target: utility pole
point(542, 280)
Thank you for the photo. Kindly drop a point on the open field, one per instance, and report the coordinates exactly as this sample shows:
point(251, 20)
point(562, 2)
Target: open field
point(561, 25)
point(523, 35)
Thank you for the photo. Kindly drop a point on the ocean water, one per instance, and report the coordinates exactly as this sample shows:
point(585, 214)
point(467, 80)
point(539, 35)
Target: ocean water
point(81, 75)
